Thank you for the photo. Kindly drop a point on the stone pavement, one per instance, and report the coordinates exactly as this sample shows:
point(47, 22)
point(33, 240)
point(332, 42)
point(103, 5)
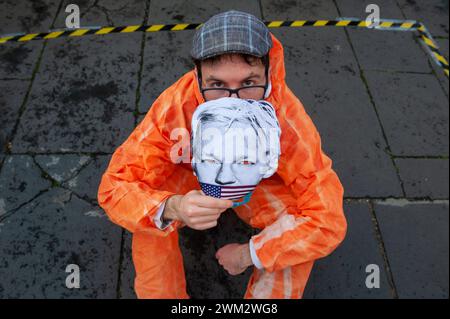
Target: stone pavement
point(379, 103)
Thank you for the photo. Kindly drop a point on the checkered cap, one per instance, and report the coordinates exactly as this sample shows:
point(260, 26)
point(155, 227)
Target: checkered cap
point(231, 32)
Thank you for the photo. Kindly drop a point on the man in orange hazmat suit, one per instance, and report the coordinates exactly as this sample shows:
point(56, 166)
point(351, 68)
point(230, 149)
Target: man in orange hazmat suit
point(299, 209)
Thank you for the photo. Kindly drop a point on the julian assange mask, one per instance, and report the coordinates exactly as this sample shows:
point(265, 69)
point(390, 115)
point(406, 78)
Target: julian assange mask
point(235, 143)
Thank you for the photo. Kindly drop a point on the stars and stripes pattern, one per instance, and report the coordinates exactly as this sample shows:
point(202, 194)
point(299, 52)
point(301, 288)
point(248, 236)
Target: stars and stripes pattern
point(226, 192)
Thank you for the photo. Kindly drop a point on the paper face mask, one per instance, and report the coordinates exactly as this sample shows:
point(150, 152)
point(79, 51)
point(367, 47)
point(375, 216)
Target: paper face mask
point(235, 143)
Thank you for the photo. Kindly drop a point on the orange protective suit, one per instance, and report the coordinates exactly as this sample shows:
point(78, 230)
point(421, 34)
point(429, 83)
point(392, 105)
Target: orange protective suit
point(299, 209)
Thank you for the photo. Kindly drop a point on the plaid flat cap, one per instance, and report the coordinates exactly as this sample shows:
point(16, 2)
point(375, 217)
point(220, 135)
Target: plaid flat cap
point(231, 32)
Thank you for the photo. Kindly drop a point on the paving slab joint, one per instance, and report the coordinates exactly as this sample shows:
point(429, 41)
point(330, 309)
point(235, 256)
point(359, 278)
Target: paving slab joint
point(383, 252)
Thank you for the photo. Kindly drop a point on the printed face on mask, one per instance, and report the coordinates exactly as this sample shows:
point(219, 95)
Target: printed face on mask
point(229, 156)
point(235, 144)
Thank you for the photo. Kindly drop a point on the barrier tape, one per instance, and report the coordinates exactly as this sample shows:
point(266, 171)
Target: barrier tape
point(383, 24)
point(432, 48)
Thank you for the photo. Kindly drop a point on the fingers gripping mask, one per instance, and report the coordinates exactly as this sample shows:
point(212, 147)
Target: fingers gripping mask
point(235, 143)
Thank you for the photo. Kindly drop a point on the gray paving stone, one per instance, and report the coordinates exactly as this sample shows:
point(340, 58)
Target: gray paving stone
point(42, 238)
point(433, 13)
point(127, 270)
point(196, 11)
point(62, 167)
point(106, 12)
point(383, 49)
point(343, 274)
point(205, 278)
point(370, 45)
point(86, 182)
point(27, 16)
point(166, 59)
point(323, 73)
point(424, 177)
point(414, 112)
point(83, 96)
point(11, 99)
point(416, 239)
point(298, 9)
point(20, 181)
point(17, 60)
point(357, 9)
point(388, 50)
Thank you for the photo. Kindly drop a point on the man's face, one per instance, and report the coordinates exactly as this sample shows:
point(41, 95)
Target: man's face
point(232, 71)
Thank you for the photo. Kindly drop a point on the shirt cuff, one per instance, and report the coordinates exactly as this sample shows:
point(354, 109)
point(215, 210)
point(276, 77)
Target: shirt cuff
point(158, 220)
point(255, 258)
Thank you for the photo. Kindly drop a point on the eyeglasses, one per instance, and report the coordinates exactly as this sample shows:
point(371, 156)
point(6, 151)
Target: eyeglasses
point(255, 92)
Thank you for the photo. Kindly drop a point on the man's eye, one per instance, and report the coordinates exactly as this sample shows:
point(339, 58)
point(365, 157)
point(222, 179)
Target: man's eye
point(217, 85)
point(248, 83)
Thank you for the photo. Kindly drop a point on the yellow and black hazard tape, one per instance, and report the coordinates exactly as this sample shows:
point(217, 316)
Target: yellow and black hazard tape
point(406, 25)
point(394, 25)
point(432, 48)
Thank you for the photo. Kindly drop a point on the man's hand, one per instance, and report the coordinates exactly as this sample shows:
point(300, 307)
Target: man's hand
point(235, 258)
point(197, 210)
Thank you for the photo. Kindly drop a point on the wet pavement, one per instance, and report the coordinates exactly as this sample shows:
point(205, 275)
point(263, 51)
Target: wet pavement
point(378, 101)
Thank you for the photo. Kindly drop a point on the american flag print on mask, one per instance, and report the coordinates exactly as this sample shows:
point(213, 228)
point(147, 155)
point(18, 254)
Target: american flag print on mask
point(226, 192)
